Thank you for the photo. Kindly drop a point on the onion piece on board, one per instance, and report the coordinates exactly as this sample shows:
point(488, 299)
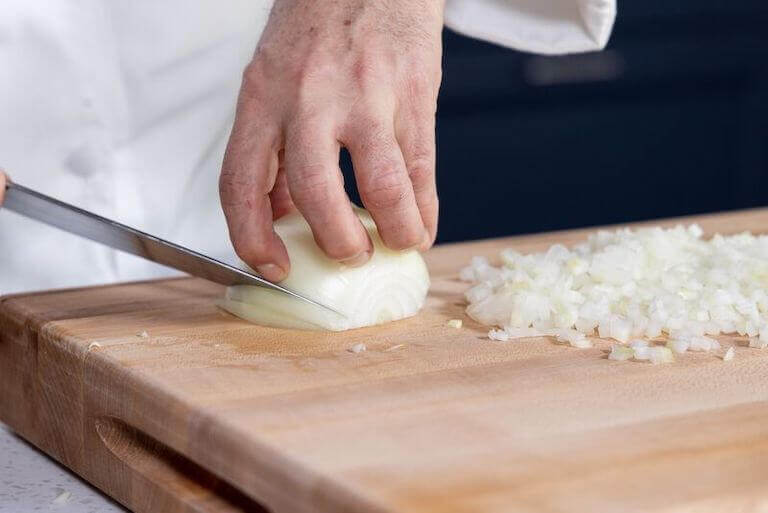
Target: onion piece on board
point(392, 285)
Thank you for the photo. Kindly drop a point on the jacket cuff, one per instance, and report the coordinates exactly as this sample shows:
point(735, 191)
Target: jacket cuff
point(549, 27)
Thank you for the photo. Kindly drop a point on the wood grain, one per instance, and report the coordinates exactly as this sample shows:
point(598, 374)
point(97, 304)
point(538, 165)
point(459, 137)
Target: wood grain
point(210, 413)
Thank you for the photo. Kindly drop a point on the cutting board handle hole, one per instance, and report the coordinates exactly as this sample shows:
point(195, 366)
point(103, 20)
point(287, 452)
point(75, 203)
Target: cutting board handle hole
point(169, 472)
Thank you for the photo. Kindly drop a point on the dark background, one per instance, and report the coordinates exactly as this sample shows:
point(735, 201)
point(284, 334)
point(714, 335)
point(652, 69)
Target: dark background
point(671, 119)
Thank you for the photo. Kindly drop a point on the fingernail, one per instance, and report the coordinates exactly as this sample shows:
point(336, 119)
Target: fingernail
point(271, 272)
point(358, 259)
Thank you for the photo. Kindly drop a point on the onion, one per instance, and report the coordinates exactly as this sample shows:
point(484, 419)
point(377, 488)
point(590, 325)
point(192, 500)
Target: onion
point(642, 353)
point(660, 354)
point(679, 346)
point(392, 285)
point(500, 335)
point(572, 337)
point(627, 284)
point(62, 498)
point(703, 344)
point(621, 352)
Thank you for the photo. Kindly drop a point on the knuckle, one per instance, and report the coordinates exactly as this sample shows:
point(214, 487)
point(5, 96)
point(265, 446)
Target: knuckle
point(366, 71)
point(252, 72)
point(421, 170)
point(310, 78)
point(368, 130)
point(238, 187)
point(306, 88)
point(254, 85)
point(310, 116)
point(386, 188)
point(308, 184)
point(230, 187)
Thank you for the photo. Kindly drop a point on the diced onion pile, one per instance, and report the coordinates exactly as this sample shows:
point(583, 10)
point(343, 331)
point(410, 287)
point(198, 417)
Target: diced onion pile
point(629, 284)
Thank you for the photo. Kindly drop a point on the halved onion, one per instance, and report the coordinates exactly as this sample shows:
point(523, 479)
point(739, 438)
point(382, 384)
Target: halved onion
point(391, 286)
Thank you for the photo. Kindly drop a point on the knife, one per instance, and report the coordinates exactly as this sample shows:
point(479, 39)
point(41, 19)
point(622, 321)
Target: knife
point(86, 224)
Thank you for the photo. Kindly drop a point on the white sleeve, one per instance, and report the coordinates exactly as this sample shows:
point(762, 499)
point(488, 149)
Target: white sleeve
point(538, 26)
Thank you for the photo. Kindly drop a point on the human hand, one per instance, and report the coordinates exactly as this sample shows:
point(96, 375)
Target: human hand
point(3, 182)
point(326, 74)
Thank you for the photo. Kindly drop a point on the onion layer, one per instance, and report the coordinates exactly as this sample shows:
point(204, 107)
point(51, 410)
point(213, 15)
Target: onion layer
point(391, 286)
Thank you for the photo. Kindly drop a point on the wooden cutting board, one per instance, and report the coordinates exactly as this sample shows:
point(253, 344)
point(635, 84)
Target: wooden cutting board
point(210, 413)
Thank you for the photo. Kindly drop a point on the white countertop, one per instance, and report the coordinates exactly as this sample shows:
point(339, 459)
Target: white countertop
point(31, 481)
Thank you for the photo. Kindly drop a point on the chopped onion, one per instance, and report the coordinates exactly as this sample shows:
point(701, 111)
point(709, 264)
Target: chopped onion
point(454, 323)
point(630, 283)
point(62, 498)
point(763, 331)
point(621, 352)
point(357, 348)
point(729, 354)
point(391, 286)
point(642, 353)
point(660, 354)
point(679, 346)
point(500, 335)
point(513, 333)
point(582, 343)
point(572, 337)
point(703, 344)
point(585, 326)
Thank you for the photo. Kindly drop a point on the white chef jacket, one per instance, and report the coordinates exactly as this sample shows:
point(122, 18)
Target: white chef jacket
point(124, 108)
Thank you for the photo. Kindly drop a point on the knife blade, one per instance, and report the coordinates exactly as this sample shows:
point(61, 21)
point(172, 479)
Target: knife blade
point(69, 218)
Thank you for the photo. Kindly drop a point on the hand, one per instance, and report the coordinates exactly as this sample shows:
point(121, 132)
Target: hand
point(326, 74)
point(3, 181)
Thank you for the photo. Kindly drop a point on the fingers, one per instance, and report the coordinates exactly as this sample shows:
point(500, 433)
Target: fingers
point(248, 174)
point(280, 197)
point(384, 184)
point(3, 182)
point(416, 134)
point(317, 189)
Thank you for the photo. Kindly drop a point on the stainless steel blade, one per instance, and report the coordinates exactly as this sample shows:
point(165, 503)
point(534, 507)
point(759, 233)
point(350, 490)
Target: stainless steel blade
point(75, 220)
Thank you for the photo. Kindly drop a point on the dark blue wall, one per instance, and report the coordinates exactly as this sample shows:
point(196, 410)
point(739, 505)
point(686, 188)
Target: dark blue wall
point(672, 119)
